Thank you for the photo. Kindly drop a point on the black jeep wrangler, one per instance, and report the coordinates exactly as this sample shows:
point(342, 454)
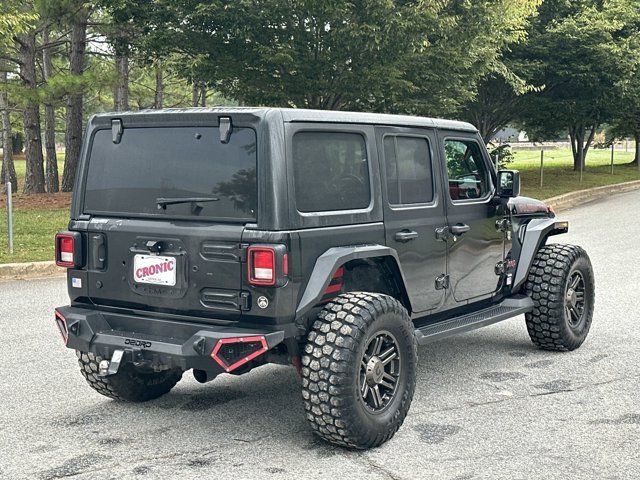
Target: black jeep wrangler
point(223, 239)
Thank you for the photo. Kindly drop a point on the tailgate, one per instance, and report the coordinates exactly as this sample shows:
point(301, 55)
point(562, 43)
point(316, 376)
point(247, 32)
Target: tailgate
point(166, 208)
point(191, 268)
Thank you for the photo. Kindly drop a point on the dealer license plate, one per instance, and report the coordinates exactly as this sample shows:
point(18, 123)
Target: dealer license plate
point(154, 269)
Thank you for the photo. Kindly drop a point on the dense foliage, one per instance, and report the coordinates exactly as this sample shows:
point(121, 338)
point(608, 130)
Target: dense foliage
point(555, 67)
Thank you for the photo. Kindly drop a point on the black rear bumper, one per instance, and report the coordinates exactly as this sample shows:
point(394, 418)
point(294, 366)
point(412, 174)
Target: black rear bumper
point(155, 341)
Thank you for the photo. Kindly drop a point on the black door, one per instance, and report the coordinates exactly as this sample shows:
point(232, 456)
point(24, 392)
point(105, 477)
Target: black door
point(476, 245)
point(413, 211)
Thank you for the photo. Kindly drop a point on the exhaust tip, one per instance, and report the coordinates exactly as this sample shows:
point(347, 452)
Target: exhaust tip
point(203, 376)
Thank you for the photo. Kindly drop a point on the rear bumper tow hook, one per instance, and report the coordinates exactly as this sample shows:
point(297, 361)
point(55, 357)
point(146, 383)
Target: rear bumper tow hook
point(107, 367)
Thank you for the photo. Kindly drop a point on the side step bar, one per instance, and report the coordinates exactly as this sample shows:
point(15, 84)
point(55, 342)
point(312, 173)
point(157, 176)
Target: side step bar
point(509, 307)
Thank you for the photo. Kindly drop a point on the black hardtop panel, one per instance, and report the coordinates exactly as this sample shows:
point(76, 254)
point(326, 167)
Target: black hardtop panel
point(253, 114)
point(303, 115)
point(274, 205)
point(190, 116)
point(259, 119)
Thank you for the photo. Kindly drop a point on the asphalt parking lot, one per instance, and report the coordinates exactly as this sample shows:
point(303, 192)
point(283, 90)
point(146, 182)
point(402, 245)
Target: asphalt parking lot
point(488, 404)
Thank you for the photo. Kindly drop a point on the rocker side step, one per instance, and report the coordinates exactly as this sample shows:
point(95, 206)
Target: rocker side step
point(507, 308)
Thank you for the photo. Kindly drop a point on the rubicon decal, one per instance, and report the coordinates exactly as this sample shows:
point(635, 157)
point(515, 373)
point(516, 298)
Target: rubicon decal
point(154, 269)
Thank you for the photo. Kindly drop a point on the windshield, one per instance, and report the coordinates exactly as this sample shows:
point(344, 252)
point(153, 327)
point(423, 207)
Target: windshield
point(173, 162)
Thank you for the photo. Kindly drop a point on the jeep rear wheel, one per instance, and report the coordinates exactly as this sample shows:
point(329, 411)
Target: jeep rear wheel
point(561, 285)
point(359, 368)
point(129, 384)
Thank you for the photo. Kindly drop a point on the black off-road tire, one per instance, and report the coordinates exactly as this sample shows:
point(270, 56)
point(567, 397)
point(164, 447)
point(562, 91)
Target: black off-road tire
point(129, 384)
point(331, 369)
point(550, 326)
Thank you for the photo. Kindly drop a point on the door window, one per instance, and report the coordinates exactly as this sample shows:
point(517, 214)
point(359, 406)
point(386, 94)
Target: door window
point(408, 167)
point(331, 171)
point(467, 171)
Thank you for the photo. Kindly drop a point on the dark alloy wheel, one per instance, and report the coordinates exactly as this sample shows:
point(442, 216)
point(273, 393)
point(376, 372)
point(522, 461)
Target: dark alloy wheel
point(575, 300)
point(359, 369)
point(379, 371)
point(561, 285)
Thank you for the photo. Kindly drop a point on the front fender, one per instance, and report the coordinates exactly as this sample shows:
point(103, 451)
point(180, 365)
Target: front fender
point(327, 264)
point(536, 232)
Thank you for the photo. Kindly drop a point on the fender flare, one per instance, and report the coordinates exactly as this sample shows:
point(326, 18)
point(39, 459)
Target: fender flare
point(327, 264)
point(536, 233)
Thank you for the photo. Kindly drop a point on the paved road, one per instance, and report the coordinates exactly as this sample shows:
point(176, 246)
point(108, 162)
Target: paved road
point(488, 404)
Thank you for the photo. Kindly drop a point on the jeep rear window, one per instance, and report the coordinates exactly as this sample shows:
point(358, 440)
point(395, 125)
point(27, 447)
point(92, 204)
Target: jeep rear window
point(331, 171)
point(173, 162)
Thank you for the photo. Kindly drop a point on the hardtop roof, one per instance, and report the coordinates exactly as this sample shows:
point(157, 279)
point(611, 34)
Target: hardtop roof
point(302, 115)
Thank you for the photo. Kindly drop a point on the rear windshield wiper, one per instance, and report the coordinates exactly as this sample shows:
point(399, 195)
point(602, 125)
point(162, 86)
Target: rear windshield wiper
point(194, 201)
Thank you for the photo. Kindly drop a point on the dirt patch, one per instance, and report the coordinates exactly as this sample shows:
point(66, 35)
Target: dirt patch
point(39, 201)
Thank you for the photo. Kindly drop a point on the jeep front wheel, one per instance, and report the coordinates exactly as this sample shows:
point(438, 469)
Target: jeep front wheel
point(359, 369)
point(561, 285)
point(129, 383)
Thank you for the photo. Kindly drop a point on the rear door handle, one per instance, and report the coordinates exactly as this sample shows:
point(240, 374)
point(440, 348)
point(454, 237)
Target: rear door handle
point(406, 236)
point(459, 229)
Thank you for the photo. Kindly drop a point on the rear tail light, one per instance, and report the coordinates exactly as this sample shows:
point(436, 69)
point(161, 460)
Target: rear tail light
point(262, 266)
point(267, 265)
point(68, 247)
point(231, 353)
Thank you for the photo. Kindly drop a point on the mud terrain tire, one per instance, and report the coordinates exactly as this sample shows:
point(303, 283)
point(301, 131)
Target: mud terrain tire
point(340, 360)
point(561, 285)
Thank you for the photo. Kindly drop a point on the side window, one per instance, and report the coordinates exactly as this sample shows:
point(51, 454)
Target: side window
point(468, 175)
point(331, 171)
point(408, 167)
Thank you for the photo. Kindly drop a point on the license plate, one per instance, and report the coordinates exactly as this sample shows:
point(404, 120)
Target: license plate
point(154, 269)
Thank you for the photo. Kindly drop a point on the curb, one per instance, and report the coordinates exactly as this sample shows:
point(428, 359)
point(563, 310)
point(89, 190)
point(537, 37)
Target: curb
point(573, 199)
point(35, 270)
point(30, 271)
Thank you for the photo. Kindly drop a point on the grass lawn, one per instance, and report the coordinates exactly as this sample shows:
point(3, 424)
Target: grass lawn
point(21, 168)
point(559, 176)
point(38, 217)
point(33, 232)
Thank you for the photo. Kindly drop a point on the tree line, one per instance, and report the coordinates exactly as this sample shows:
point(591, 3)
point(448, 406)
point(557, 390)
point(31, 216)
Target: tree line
point(552, 67)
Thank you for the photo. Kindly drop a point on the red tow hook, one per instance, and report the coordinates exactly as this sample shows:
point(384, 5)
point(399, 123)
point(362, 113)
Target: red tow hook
point(231, 353)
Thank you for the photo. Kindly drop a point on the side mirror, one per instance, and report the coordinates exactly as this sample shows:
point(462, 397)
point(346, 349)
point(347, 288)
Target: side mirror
point(508, 183)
